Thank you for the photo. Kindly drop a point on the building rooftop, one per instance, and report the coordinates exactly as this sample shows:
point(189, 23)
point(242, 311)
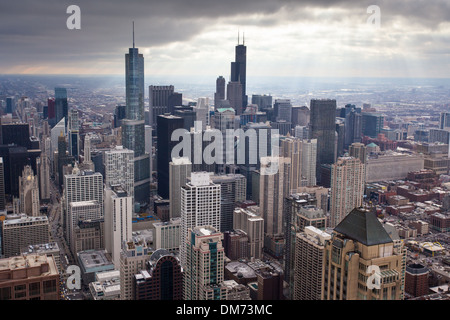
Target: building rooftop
point(364, 227)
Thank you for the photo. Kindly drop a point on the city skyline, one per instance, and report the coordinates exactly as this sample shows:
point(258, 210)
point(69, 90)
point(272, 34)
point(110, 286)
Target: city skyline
point(306, 38)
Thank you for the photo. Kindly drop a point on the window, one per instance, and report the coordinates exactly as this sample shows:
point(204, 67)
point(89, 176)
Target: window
point(34, 288)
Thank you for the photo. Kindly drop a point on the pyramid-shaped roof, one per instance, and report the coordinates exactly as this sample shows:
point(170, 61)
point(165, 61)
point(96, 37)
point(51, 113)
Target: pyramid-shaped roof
point(364, 227)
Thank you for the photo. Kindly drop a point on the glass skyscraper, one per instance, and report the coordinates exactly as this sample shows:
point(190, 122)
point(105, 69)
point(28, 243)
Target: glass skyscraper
point(133, 126)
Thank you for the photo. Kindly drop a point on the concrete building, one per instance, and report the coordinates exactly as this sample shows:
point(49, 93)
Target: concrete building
point(347, 188)
point(204, 271)
point(88, 235)
point(29, 193)
point(416, 280)
point(119, 169)
point(358, 245)
point(49, 249)
point(118, 220)
point(78, 212)
point(29, 277)
point(200, 205)
point(78, 187)
point(232, 190)
point(249, 221)
point(236, 291)
point(106, 285)
point(162, 279)
point(179, 171)
point(392, 166)
point(309, 252)
point(92, 262)
point(133, 258)
point(168, 235)
point(23, 231)
point(274, 187)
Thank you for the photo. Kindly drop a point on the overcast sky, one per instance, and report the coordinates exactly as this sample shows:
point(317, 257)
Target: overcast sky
point(197, 37)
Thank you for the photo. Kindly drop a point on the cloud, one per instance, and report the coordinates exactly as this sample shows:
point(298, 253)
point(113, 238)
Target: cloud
point(179, 35)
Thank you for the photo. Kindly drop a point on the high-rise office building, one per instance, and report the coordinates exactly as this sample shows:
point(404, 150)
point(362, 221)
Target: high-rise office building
point(372, 123)
point(162, 279)
point(300, 116)
point(358, 150)
point(158, 102)
point(444, 121)
point(233, 189)
point(353, 126)
point(133, 126)
point(224, 120)
point(29, 277)
point(73, 129)
point(239, 71)
point(119, 115)
point(220, 91)
point(79, 212)
point(43, 165)
point(249, 221)
point(167, 124)
point(234, 96)
point(347, 188)
point(300, 210)
point(274, 187)
point(17, 133)
point(262, 101)
point(204, 270)
point(118, 219)
point(167, 235)
point(283, 110)
point(29, 193)
point(358, 245)
point(61, 105)
point(323, 128)
point(23, 231)
point(309, 251)
point(119, 169)
point(81, 186)
point(179, 171)
point(200, 205)
point(133, 259)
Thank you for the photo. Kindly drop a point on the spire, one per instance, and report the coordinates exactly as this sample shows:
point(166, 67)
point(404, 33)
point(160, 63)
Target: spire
point(243, 38)
point(238, 37)
point(133, 34)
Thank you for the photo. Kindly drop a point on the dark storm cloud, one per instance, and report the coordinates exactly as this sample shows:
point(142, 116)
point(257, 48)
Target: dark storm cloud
point(35, 31)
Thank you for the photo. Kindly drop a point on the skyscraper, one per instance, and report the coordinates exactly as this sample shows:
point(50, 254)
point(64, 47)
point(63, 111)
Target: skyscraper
point(200, 205)
point(159, 101)
point(323, 128)
point(29, 193)
point(233, 189)
point(347, 188)
point(309, 251)
point(81, 186)
point(358, 245)
point(372, 123)
point(133, 126)
point(239, 70)
point(167, 124)
point(73, 129)
point(118, 219)
point(61, 105)
point(162, 279)
point(273, 189)
point(179, 171)
point(204, 270)
point(119, 169)
point(220, 91)
point(234, 96)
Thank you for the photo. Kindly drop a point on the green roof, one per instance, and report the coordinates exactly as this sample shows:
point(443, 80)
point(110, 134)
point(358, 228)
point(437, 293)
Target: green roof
point(364, 227)
point(372, 145)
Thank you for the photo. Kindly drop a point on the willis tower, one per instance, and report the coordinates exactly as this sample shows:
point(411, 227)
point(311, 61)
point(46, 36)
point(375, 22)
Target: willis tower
point(133, 126)
point(239, 69)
